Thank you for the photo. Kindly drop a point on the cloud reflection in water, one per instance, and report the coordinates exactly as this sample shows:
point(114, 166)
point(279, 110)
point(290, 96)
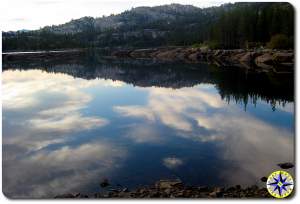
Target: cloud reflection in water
point(42, 110)
point(51, 126)
point(249, 143)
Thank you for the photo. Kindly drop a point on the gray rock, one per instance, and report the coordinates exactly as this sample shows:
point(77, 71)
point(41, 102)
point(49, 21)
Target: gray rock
point(163, 184)
point(264, 179)
point(283, 57)
point(266, 58)
point(286, 165)
point(104, 183)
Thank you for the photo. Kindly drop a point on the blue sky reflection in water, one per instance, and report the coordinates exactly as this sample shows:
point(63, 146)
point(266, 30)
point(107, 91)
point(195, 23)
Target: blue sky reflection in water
point(64, 134)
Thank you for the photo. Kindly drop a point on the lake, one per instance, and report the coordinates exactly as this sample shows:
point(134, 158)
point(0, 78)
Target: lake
point(69, 123)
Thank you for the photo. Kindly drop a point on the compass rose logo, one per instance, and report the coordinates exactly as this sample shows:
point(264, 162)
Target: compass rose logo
point(280, 184)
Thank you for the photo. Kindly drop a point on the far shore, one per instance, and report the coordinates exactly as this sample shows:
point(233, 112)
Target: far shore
point(279, 61)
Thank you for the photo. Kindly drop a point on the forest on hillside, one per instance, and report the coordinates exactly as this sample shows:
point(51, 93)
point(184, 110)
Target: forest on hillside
point(229, 26)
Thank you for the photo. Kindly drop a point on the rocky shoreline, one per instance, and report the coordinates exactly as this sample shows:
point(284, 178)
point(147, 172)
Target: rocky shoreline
point(261, 60)
point(280, 61)
point(168, 189)
point(176, 189)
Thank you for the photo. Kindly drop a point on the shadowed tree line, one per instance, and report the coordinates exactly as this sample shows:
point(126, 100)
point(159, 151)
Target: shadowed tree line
point(239, 25)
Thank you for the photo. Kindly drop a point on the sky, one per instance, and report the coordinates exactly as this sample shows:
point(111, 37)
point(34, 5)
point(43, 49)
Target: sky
point(34, 14)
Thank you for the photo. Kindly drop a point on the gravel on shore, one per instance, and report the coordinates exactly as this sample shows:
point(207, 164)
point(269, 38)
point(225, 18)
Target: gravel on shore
point(176, 189)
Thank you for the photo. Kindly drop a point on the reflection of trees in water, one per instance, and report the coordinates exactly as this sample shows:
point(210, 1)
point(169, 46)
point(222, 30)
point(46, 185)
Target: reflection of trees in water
point(242, 87)
point(233, 84)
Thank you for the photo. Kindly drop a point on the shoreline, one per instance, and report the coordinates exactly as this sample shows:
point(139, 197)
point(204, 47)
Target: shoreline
point(168, 189)
point(262, 60)
point(280, 61)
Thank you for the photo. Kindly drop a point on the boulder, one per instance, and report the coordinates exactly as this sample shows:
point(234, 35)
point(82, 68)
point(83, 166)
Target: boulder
point(286, 165)
point(236, 56)
point(247, 57)
point(264, 179)
point(266, 58)
point(121, 53)
point(104, 182)
point(171, 54)
point(218, 52)
point(164, 184)
point(194, 56)
point(67, 195)
point(283, 57)
point(142, 53)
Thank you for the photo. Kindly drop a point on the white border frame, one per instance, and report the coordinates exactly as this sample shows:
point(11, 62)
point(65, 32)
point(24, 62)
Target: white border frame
point(296, 197)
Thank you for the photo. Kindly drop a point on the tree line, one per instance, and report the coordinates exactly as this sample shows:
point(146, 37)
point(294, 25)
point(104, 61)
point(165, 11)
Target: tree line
point(239, 25)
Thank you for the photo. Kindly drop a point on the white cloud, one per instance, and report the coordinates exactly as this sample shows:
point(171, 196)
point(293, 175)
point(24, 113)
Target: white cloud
point(48, 107)
point(49, 117)
point(135, 111)
point(144, 133)
point(253, 145)
point(172, 162)
point(71, 122)
point(73, 167)
point(173, 107)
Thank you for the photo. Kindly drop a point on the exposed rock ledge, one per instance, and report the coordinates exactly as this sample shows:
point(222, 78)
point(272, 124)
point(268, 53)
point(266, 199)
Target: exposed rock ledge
point(265, 59)
point(176, 189)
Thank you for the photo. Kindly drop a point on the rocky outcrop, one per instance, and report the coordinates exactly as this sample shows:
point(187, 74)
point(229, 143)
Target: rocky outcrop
point(265, 60)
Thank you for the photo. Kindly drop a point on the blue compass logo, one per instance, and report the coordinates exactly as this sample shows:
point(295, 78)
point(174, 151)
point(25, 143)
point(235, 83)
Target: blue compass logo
point(280, 184)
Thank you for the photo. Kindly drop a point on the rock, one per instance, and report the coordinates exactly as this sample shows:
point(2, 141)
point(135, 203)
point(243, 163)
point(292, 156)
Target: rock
point(254, 187)
point(283, 57)
point(181, 56)
point(83, 196)
point(67, 195)
point(168, 54)
point(104, 183)
point(238, 187)
point(264, 179)
point(167, 191)
point(121, 53)
point(215, 194)
point(236, 56)
point(163, 184)
point(203, 188)
point(247, 57)
point(113, 190)
point(79, 195)
point(218, 52)
point(170, 189)
point(287, 64)
point(286, 165)
point(266, 58)
point(125, 190)
point(194, 56)
point(179, 194)
point(142, 53)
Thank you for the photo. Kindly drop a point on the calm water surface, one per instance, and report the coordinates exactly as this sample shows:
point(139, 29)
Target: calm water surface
point(69, 124)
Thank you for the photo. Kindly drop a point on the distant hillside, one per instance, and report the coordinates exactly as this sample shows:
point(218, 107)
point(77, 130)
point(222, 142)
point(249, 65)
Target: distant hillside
point(134, 19)
point(227, 26)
